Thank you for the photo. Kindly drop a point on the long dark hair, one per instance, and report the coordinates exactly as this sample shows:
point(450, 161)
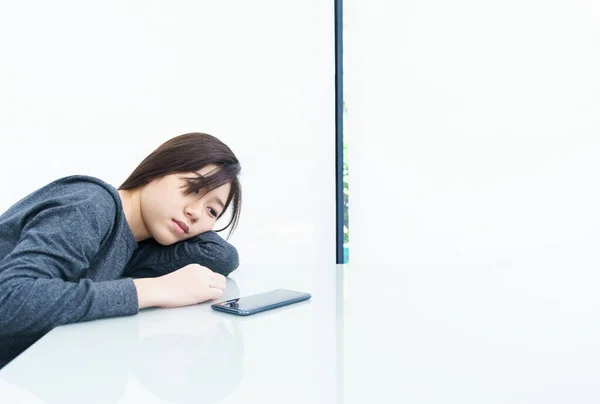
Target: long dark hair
point(190, 153)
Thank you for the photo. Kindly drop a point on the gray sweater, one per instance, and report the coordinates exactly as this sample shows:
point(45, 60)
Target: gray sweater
point(67, 255)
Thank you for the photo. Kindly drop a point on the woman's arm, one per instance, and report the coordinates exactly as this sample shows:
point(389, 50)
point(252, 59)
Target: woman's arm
point(40, 279)
point(208, 249)
point(188, 285)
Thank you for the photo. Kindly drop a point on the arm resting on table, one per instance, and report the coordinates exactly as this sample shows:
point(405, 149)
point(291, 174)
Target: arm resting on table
point(208, 249)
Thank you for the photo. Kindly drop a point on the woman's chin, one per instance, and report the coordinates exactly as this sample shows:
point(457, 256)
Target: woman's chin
point(166, 239)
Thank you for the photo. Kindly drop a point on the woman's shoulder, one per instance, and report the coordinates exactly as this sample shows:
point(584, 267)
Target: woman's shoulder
point(83, 182)
point(82, 188)
point(82, 195)
point(82, 198)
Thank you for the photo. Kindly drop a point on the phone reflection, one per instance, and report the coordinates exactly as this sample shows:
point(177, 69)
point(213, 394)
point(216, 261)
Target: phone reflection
point(179, 355)
point(234, 304)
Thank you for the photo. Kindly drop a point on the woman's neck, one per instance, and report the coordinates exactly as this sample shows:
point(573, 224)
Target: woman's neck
point(133, 213)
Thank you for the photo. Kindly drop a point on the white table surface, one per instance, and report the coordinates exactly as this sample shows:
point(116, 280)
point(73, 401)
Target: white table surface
point(192, 354)
point(522, 329)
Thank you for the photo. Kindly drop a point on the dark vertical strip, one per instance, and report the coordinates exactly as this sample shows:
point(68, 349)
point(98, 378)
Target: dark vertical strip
point(339, 135)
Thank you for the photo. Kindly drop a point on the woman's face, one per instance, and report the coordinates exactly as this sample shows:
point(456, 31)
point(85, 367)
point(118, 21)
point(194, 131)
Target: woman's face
point(170, 216)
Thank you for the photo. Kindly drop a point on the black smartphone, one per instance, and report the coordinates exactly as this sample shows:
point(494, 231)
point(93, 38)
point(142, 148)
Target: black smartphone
point(247, 305)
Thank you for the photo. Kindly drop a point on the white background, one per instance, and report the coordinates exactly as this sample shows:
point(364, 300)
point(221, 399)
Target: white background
point(474, 201)
point(472, 125)
point(93, 88)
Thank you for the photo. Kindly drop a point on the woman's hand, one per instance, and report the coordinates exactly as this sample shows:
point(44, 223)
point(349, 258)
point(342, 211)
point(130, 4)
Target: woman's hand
point(189, 285)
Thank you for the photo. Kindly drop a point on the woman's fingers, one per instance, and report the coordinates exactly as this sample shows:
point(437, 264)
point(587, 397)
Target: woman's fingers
point(218, 281)
point(214, 293)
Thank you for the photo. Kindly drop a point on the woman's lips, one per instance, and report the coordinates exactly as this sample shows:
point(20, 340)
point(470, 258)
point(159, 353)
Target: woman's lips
point(181, 227)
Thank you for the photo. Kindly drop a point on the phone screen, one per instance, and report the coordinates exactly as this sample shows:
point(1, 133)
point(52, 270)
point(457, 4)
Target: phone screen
point(254, 302)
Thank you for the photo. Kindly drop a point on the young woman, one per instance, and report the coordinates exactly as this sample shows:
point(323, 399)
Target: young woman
point(70, 250)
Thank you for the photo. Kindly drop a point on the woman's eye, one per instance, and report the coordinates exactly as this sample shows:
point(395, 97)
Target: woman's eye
point(213, 213)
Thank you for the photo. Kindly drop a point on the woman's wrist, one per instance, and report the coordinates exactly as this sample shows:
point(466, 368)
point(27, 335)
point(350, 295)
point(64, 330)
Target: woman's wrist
point(147, 292)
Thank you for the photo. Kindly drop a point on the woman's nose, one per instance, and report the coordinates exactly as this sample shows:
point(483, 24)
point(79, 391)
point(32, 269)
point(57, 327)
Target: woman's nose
point(193, 213)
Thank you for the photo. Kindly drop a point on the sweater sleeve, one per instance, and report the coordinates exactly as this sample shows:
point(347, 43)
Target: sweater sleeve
point(208, 249)
point(42, 280)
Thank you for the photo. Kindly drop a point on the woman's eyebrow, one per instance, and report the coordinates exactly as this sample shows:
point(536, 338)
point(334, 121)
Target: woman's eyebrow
point(219, 202)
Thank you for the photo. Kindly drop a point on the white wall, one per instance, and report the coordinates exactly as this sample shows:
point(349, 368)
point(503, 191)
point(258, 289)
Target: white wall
point(92, 88)
point(474, 127)
point(474, 200)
